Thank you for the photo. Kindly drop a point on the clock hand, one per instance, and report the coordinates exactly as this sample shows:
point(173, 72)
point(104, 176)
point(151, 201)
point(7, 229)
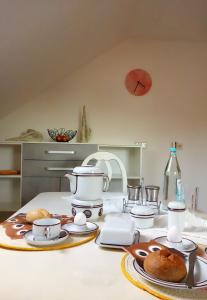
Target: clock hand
point(142, 84)
point(136, 87)
point(139, 83)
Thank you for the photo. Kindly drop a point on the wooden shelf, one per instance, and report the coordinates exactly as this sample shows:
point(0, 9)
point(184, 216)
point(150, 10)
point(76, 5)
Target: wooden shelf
point(10, 176)
point(128, 177)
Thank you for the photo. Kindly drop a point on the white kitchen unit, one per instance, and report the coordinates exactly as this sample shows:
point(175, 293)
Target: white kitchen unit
point(42, 167)
point(10, 185)
point(130, 155)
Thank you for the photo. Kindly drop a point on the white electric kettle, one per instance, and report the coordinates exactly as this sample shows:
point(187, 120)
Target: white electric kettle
point(88, 182)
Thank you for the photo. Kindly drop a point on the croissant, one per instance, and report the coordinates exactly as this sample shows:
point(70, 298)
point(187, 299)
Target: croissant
point(39, 213)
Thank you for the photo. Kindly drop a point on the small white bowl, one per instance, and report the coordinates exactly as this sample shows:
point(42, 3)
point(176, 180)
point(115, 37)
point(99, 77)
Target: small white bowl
point(143, 216)
point(93, 210)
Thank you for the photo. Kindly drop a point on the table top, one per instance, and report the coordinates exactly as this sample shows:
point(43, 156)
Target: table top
point(83, 272)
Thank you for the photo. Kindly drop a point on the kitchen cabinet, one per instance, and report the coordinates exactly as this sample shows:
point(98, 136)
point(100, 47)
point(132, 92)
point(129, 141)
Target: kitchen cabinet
point(45, 164)
point(42, 167)
point(34, 185)
point(10, 185)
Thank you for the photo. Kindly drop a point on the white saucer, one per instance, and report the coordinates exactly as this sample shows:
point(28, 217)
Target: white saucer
point(136, 240)
point(89, 227)
point(30, 239)
point(185, 246)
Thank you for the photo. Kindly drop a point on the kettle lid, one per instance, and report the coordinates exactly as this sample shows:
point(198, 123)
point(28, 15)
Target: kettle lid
point(87, 170)
point(142, 210)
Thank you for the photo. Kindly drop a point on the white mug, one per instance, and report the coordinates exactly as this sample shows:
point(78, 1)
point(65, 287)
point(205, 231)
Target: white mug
point(46, 229)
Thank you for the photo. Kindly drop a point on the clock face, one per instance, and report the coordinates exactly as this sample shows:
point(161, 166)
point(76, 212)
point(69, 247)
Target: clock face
point(138, 82)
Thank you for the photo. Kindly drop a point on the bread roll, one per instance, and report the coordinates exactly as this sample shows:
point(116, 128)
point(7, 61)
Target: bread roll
point(165, 265)
point(39, 213)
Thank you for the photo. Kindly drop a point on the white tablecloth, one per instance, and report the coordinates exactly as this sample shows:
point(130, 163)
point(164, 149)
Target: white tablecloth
point(83, 272)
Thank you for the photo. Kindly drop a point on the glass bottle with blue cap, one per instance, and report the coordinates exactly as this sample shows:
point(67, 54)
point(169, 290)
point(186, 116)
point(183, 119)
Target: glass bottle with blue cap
point(173, 188)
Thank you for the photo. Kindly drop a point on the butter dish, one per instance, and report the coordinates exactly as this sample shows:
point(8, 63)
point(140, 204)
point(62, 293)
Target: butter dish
point(117, 230)
point(114, 246)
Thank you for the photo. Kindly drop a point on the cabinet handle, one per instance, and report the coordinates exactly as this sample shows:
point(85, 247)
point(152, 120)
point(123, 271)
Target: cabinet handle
point(59, 152)
point(59, 169)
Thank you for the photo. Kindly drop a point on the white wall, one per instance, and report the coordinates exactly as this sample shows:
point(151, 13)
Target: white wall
point(174, 109)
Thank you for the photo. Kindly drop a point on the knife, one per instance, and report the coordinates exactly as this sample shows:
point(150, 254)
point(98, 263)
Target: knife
point(190, 276)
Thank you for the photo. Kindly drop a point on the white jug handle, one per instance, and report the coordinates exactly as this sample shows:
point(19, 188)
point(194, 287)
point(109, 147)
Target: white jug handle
point(106, 183)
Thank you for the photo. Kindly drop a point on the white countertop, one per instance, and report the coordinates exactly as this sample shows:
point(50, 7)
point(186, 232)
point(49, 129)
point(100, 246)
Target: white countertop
point(83, 272)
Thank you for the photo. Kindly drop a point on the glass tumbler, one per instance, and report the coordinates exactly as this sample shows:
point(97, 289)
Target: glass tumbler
point(133, 197)
point(152, 192)
point(133, 192)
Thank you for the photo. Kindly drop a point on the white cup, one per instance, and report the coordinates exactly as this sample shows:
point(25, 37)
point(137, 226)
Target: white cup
point(46, 229)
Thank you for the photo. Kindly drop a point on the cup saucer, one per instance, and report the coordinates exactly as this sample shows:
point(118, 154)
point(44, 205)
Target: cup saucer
point(185, 246)
point(87, 228)
point(30, 239)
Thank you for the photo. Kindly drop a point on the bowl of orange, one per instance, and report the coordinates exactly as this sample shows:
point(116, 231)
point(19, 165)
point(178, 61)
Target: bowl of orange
point(61, 134)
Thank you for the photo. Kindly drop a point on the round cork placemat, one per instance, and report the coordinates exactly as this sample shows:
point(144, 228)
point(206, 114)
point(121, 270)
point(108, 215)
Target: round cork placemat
point(13, 229)
point(158, 291)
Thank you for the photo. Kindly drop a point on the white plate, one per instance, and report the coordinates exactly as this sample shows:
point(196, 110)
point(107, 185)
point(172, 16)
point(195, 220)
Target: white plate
point(185, 246)
point(115, 246)
point(200, 275)
point(80, 229)
point(30, 239)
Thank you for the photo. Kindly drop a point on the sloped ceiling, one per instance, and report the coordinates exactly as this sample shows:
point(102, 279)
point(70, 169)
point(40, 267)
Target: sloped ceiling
point(43, 41)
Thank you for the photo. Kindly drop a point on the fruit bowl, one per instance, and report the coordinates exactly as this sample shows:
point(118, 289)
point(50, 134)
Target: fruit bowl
point(61, 134)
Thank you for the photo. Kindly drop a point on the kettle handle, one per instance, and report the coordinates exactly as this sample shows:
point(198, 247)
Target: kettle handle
point(106, 183)
point(76, 184)
point(73, 185)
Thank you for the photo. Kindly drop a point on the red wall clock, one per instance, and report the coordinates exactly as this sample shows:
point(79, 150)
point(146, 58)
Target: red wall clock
point(138, 82)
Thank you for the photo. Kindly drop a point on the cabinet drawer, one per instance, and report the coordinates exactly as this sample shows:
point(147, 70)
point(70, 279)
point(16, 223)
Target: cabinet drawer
point(50, 151)
point(48, 168)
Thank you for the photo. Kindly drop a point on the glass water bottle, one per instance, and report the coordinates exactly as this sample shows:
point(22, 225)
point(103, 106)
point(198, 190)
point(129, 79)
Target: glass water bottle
point(173, 189)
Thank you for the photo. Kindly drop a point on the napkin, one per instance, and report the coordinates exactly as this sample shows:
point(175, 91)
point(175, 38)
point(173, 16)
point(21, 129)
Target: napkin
point(195, 222)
